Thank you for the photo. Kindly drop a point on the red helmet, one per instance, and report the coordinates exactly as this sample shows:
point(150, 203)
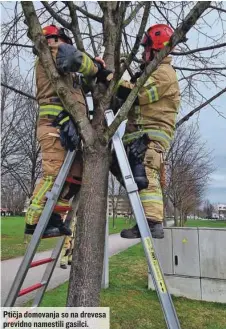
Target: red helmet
point(52, 31)
point(156, 37)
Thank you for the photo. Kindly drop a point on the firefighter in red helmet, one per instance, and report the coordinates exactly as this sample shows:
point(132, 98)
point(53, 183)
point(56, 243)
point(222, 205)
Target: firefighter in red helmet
point(56, 131)
point(150, 127)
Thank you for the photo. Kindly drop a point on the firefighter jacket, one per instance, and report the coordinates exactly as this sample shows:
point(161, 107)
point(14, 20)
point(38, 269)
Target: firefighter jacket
point(46, 96)
point(154, 112)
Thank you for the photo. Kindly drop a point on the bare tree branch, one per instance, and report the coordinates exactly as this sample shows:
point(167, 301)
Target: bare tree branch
point(199, 69)
point(75, 26)
point(133, 13)
point(18, 91)
point(87, 14)
point(218, 8)
point(16, 44)
point(186, 117)
point(139, 36)
point(56, 16)
point(91, 34)
point(198, 49)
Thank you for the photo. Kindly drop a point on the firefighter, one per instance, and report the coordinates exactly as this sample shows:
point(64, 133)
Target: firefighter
point(150, 128)
point(56, 131)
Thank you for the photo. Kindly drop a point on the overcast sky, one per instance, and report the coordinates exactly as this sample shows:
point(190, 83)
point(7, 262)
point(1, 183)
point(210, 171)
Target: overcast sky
point(212, 126)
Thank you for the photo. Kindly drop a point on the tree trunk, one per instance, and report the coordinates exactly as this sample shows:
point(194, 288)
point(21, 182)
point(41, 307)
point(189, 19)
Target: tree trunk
point(113, 219)
point(175, 216)
point(87, 264)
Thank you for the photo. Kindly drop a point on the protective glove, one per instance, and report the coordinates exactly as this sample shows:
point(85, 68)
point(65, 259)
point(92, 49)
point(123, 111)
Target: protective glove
point(67, 58)
point(138, 148)
point(69, 137)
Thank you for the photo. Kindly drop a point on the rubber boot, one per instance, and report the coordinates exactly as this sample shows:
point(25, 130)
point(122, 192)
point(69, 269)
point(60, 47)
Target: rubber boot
point(156, 229)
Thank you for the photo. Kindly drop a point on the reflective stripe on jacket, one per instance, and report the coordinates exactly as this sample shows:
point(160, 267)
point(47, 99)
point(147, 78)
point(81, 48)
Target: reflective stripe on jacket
point(159, 101)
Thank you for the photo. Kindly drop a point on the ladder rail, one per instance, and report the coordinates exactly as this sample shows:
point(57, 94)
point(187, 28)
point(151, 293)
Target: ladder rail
point(48, 272)
point(169, 311)
point(42, 223)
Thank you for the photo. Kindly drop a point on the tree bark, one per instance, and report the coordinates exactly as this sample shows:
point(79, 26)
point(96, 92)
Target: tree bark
point(87, 265)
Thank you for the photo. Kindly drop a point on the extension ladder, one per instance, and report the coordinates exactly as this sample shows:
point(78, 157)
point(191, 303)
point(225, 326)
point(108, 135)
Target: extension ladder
point(27, 262)
point(146, 238)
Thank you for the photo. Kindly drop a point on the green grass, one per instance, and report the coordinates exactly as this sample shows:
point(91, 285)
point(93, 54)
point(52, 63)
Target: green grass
point(132, 306)
point(12, 238)
point(120, 224)
point(206, 223)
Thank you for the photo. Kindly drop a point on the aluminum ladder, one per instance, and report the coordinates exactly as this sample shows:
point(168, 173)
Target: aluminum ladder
point(27, 261)
point(169, 312)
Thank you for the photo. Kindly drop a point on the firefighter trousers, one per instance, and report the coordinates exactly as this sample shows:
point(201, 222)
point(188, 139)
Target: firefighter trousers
point(68, 247)
point(53, 155)
point(152, 197)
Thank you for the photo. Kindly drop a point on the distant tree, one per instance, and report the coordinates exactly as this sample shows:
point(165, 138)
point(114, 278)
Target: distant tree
point(208, 209)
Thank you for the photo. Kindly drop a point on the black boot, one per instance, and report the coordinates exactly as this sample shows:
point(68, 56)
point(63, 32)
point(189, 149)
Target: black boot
point(131, 233)
point(55, 227)
point(50, 231)
point(156, 229)
point(63, 266)
point(56, 221)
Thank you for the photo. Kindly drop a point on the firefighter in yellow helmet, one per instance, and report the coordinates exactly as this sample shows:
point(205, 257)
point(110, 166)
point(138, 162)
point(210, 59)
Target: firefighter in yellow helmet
point(150, 128)
point(56, 131)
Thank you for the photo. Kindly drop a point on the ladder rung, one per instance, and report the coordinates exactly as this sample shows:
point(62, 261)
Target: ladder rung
point(73, 181)
point(41, 262)
point(30, 289)
point(62, 208)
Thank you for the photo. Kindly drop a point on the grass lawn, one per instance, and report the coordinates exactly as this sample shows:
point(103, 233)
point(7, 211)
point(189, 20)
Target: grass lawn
point(206, 223)
point(12, 236)
point(132, 306)
point(120, 224)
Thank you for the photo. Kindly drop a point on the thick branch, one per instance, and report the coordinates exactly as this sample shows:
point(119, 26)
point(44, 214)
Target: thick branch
point(75, 26)
point(198, 49)
point(177, 37)
point(186, 117)
point(61, 84)
point(133, 14)
point(57, 17)
point(18, 91)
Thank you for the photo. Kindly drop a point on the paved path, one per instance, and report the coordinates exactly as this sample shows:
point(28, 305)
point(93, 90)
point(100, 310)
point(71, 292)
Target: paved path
point(9, 269)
